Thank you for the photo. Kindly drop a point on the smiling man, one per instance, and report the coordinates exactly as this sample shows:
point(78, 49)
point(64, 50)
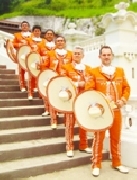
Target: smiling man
point(112, 83)
point(78, 73)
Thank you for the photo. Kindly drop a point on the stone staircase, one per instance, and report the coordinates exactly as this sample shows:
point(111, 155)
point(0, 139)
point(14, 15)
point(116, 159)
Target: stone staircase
point(28, 146)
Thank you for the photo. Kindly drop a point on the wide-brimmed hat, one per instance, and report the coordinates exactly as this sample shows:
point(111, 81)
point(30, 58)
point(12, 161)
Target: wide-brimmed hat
point(43, 80)
point(92, 111)
point(22, 55)
point(32, 62)
point(61, 93)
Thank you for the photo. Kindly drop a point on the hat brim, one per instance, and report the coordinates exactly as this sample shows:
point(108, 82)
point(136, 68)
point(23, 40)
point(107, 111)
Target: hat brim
point(53, 89)
point(43, 77)
point(87, 122)
point(31, 60)
point(23, 51)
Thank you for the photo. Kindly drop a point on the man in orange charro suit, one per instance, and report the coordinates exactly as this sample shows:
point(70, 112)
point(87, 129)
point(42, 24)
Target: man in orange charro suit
point(20, 39)
point(47, 44)
point(110, 81)
point(78, 73)
point(54, 61)
point(34, 42)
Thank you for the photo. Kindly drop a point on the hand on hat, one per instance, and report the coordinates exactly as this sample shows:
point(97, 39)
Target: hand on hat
point(119, 103)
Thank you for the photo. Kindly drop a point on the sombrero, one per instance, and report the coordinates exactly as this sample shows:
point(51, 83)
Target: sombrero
point(61, 93)
point(22, 55)
point(32, 60)
point(43, 80)
point(92, 111)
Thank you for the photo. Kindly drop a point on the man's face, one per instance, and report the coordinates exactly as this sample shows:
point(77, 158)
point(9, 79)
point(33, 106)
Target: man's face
point(60, 43)
point(77, 55)
point(106, 56)
point(49, 36)
point(37, 33)
point(25, 27)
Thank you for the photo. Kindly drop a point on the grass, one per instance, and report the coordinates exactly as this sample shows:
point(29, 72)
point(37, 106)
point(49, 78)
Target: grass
point(65, 8)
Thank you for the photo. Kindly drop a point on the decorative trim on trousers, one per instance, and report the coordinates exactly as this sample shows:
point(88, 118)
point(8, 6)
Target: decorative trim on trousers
point(69, 130)
point(46, 104)
point(21, 77)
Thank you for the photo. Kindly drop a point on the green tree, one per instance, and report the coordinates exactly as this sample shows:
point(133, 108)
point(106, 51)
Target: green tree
point(79, 1)
point(48, 1)
point(104, 2)
point(5, 6)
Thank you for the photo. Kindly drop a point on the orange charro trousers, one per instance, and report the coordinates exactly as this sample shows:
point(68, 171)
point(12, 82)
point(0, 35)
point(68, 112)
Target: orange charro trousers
point(69, 133)
point(46, 104)
point(115, 135)
point(32, 83)
point(53, 114)
point(69, 130)
point(22, 78)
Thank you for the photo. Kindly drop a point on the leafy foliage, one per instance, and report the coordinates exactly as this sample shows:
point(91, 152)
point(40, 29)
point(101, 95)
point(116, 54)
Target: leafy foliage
point(65, 8)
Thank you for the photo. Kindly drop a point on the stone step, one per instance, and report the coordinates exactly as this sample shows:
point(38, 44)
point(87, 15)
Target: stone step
point(29, 133)
point(14, 111)
point(9, 88)
point(2, 67)
point(28, 145)
point(9, 76)
point(28, 121)
point(7, 71)
point(17, 95)
point(20, 102)
point(35, 148)
point(7, 82)
point(43, 164)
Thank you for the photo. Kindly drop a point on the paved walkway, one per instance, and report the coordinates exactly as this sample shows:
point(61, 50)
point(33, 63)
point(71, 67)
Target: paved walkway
point(85, 173)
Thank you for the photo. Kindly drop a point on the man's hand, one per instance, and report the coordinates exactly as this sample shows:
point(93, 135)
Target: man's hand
point(120, 103)
point(37, 66)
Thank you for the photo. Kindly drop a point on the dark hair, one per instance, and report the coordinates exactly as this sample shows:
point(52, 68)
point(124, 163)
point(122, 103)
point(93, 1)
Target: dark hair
point(24, 22)
point(105, 47)
point(36, 27)
point(49, 30)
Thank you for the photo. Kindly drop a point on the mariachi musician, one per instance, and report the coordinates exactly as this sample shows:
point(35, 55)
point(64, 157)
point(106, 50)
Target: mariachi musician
point(20, 39)
point(78, 73)
point(34, 42)
point(110, 81)
point(46, 45)
point(54, 61)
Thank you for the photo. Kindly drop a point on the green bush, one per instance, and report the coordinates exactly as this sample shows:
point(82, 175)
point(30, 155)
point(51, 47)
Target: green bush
point(64, 8)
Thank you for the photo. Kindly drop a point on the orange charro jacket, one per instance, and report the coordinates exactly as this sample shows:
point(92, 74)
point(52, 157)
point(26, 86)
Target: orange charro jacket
point(76, 75)
point(34, 44)
point(115, 85)
point(17, 41)
point(43, 49)
point(55, 62)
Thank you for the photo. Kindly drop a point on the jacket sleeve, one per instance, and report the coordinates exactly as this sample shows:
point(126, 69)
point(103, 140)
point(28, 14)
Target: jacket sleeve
point(90, 80)
point(16, 43)
point(125, 88)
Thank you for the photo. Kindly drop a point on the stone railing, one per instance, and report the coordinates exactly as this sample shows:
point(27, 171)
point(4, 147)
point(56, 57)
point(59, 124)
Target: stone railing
point(129, 133)
point(4, 36)
point(5, 60)
point(92, 43)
